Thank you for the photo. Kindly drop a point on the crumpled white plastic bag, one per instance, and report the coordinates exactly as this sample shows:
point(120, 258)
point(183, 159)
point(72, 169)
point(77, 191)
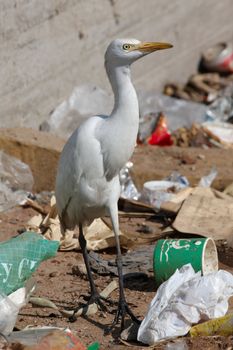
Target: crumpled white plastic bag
point(183, 300)
point(11, 304)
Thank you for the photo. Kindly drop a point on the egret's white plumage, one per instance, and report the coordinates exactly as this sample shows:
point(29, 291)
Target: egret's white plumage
point(87, 184)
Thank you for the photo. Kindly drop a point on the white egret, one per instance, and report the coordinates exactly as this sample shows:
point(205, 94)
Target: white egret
point(87, 184)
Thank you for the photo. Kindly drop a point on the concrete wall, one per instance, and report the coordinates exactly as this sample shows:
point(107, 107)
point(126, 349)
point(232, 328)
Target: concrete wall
point(48, 47)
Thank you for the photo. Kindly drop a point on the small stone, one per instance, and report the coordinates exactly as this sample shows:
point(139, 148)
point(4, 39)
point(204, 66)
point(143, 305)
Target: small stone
point(201, 156)
point(53, 274)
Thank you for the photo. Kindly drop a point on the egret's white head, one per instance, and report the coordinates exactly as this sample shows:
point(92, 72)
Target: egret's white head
point(126, 51)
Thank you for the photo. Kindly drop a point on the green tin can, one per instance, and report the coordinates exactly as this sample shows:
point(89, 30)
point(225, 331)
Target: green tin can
point(172, 254)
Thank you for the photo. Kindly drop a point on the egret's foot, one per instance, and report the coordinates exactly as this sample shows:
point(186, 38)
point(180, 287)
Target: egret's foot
point(99, 301)
point(122, 310)
point(95, 298)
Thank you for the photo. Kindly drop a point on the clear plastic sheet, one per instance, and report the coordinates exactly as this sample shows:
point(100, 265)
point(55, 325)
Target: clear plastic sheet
point(16, 181)
point(128, 188)
point(84, 101)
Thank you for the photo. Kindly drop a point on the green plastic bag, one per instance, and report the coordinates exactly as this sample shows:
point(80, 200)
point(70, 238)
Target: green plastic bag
point(20, 257)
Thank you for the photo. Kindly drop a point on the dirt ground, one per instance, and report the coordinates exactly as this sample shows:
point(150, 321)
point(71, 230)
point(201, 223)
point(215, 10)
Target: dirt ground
point(56, 280)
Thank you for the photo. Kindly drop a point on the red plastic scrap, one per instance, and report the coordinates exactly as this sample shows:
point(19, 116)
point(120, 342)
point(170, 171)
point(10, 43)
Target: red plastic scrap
point(161, 135)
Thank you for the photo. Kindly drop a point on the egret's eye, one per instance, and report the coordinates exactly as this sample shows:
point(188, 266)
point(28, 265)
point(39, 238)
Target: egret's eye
point(126, 47)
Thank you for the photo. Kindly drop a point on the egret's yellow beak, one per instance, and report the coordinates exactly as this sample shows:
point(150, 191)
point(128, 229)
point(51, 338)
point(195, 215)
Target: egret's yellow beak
point(148, 47)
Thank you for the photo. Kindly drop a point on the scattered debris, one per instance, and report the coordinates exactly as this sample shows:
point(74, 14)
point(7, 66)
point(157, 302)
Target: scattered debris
point(32, 335)
point(158, 192)
point(184, 300)
point(207, 180)
point(221, 132)
point(196, 136)
point(130, 334)
point(218, 326)
point(20, 257)
point(16, 181)
point(179, 113)
point(84, 101)
point(172, 254)
point(51, 339)
point(206, 212)
point(221, 109)
point(87, 310)
point(98, 235)
point(218, 58)
point(11, 304)
point(156, 133)
point(128, 188)
point(203, 88)
point(133, 261)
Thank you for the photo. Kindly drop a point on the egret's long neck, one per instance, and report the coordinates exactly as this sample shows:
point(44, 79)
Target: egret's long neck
point(126, 102)
point(122, 125)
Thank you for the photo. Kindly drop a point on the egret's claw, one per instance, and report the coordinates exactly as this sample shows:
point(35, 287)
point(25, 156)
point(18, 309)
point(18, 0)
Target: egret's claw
point(122, 311)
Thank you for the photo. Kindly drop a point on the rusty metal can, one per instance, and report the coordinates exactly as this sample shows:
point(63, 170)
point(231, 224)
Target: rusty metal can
point(218, 58)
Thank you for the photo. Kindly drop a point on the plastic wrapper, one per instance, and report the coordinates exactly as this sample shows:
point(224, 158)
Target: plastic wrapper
point(49, 338)
point(20, 257)
point(218, 118)
point(176, 177)
point(84, 101)
point(179, 113)
point(61, 340)
point(161, 135)
point(222, 108)
point(10, 306)
point(183, 300)
point(128, 188)
point(16, 181)
point(147, 124)
point(207, 180)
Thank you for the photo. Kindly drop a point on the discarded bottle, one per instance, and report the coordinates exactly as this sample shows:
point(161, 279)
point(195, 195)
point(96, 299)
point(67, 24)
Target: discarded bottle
point(218, 326)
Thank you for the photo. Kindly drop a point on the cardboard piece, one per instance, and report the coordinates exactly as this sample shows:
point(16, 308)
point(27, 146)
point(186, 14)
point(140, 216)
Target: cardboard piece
point(98, 235)
point(206, 212)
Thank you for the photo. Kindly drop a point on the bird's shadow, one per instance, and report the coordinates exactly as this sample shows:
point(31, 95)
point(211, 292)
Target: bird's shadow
point(115, 332)
point(144, 283)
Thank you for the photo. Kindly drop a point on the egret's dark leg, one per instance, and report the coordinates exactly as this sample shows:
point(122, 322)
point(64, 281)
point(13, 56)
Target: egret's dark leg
point(83, 246)
point(95, 296)
point(123, 307)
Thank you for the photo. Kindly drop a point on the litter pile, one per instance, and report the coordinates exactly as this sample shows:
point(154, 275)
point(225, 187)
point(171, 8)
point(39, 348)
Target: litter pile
point(211, 127)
